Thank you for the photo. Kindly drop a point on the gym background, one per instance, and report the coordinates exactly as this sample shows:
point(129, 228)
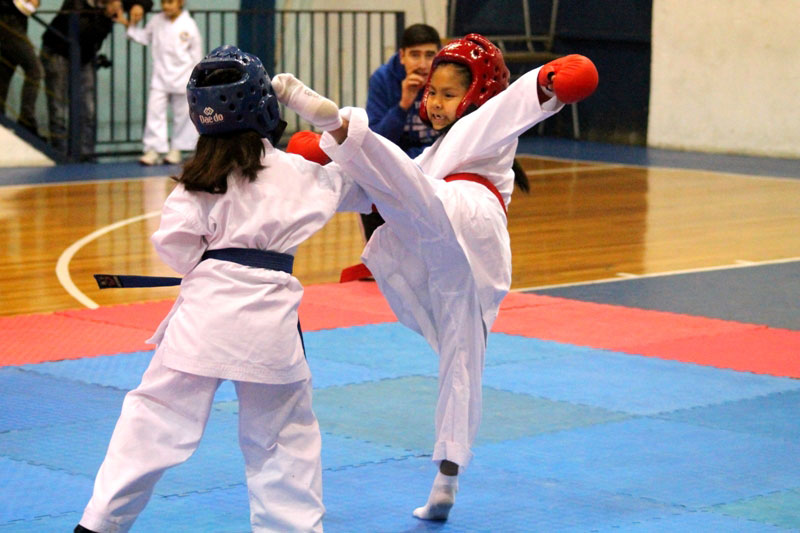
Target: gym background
point(719, 76)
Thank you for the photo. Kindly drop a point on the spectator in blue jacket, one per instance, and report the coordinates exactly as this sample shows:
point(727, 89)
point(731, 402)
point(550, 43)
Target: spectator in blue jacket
point(395, 91)
point(393, 99)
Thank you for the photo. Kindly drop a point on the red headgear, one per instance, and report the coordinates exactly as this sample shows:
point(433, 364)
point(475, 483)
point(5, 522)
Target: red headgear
point(485, 61)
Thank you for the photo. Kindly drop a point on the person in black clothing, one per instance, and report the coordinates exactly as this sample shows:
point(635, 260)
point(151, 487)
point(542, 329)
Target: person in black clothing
point(16, 50)
point(96, 20)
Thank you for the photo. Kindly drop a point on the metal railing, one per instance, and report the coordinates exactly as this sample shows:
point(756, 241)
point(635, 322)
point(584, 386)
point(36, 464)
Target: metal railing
point(334, 52)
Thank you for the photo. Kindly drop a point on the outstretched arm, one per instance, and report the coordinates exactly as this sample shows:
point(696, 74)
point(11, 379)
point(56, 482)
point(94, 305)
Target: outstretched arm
point(523, 104)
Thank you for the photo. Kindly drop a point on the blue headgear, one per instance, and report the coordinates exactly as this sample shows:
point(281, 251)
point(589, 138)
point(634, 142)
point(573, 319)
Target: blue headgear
point(246, 104)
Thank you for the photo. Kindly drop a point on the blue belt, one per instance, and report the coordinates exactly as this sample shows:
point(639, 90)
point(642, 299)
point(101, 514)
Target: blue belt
point(243, 256)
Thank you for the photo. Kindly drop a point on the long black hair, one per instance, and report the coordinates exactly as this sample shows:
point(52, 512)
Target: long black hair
point(217, 156)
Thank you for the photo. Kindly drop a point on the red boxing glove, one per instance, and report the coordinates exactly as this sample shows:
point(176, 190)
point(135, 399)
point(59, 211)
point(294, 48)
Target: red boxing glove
point(573, 78)
point(306, 144)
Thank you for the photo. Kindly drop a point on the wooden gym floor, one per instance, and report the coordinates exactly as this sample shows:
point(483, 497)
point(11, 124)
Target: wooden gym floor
point(583, 221)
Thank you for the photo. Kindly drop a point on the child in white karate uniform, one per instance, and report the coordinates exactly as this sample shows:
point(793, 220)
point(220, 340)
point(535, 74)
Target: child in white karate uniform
point(443, 258)
point(176, 47)
point(231, 226)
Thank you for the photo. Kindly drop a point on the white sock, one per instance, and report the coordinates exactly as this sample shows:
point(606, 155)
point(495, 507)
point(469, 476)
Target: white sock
point(440, 500)
point(313, 108)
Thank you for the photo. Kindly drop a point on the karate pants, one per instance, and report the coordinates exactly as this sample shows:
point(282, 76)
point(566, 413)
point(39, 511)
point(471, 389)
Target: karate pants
point(184, 134)
point(419, 234)
point(161, 424)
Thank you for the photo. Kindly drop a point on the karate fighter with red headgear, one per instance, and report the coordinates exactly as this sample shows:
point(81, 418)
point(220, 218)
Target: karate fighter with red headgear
point(443, 258)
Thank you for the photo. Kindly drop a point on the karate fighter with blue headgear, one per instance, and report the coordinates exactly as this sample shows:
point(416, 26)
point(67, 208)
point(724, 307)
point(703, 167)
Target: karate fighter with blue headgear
point(443, 258)
point(231, 226)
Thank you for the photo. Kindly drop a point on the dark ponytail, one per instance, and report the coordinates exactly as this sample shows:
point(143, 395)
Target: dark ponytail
point(217, 156)
point(520, 177)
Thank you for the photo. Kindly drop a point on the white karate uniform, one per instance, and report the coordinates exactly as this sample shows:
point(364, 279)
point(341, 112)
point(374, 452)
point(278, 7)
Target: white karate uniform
point(176, 47)
point(230, 322)
point(443, 258)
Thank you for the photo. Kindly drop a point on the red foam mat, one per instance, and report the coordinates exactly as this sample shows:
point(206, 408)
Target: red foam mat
point(146, 316)
point(721, 343)
point(762, 350)
point(51, 337)
point(700, 340)
point(124, 328)
point(339, 305)
point(599, 325)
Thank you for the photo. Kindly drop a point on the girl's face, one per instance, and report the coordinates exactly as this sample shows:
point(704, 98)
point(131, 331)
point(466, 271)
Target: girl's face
point(171, 8)
point(445, 92)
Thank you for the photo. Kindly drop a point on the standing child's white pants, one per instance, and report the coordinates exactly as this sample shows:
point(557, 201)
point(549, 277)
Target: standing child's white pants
point(161, 424)
point(184, 134)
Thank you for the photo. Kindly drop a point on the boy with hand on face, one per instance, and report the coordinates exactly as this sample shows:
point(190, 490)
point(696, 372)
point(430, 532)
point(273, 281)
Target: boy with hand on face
point(395, 91)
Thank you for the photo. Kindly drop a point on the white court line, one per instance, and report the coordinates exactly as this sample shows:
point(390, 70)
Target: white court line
point(729, 172)
point(738, 264)
point(62, 266)
point(76, 182)
point(563, 170)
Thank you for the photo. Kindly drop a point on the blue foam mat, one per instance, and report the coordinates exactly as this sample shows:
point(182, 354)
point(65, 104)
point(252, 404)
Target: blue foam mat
point(391, 349)
point(669, 462)
point(31, 400)
point(636, 385)
point(691, 522)
point(573, 439)
point(774, 415)
point(35, 490)
point(122, 371)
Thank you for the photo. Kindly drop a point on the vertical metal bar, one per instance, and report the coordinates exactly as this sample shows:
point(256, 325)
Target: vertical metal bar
point(224, 31)
point(341, 62)
point(327, 55)
point(298, 22)
point(553, 18)
point(400, 26)
point(253, 28)
point(383, 37)
point(576, 127)
point(297, 55)
point(128, 90)
point(113, 90)
point(283, 42)
point(145, 84)
point(311, 54)
point(368, 53)
point(451, 17)
point(355, 56)
point(208, 27)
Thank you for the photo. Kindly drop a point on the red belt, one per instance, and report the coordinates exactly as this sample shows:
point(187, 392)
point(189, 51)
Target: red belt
point(476, 178)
